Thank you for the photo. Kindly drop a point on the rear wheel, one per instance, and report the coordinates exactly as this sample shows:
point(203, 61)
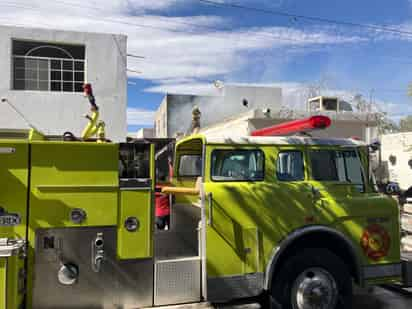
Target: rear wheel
point(313, 279)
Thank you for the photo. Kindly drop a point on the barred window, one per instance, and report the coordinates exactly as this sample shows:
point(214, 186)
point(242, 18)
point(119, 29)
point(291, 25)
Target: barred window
point(48, 67)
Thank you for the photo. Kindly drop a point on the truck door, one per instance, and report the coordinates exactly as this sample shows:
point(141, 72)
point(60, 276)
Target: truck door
point(338, 179)
point(254, 197)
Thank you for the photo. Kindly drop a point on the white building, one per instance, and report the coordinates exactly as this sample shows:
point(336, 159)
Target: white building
point(396, 159)
point(42, 76)
point(239, 110)
point(174, 114)
point(143, 133)
point(344, 125)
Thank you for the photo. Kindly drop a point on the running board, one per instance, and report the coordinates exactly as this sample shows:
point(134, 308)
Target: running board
point(177, 281)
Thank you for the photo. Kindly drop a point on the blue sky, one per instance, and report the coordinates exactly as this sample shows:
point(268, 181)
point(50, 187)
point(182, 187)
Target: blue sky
point(188, 44)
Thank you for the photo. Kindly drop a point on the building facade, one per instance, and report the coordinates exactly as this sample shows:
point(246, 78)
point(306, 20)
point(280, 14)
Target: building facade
point(239, 110)
point(174, 115)
point(344, 125)
point(42, 76)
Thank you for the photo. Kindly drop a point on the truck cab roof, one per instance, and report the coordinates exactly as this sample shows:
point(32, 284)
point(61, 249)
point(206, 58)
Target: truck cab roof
point(274, 140)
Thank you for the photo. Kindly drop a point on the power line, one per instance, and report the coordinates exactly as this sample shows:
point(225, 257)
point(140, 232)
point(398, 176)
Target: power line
point(115, 21)
point(216, 29)
point(220, 29)
point(306, 17)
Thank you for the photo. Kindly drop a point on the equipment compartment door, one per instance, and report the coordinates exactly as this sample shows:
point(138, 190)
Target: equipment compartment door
point(136, 216)
point(14, 169)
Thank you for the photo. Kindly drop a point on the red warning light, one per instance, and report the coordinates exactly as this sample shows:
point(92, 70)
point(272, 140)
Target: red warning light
point(296, 126)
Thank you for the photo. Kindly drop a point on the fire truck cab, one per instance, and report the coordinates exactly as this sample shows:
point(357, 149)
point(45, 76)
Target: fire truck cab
point(296, 218)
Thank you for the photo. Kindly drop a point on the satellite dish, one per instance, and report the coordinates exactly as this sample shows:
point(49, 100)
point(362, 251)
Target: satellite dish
point(218, 84)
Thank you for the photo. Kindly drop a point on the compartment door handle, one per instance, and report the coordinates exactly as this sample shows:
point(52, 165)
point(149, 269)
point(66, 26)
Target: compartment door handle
point(210, 201)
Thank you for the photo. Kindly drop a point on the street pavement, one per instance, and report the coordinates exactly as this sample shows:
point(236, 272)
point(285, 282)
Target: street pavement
point(376, 298)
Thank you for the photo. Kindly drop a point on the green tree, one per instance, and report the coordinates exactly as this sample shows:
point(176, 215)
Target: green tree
point(405, 124)
point(384, 123)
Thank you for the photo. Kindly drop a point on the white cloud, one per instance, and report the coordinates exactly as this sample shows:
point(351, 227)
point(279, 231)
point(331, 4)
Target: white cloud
point(140, 117)
point(194, 88)
point(176, 48)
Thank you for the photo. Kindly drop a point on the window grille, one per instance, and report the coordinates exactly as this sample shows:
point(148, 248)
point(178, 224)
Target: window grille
point(48, 67)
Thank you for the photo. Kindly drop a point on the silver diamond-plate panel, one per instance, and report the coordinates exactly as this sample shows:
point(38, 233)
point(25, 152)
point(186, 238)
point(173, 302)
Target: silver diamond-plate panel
point(223, 289)
point(177, 281)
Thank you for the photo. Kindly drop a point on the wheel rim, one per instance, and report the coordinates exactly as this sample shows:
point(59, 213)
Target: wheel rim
point(315, 288)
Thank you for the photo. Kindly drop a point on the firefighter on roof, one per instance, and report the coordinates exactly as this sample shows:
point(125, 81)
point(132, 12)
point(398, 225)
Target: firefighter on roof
point(196, 114)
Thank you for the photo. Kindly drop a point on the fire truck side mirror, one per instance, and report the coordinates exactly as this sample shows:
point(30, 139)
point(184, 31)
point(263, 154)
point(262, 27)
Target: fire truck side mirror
point(392, 188)
point(373, 147)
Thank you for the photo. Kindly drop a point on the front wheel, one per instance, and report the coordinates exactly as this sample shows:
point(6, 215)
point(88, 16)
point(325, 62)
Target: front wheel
point(313, 279)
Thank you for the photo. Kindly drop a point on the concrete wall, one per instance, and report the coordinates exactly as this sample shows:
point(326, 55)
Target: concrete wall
point(144, 133)
point(399, 146)
point(160, 125)
point(244, 124)
point(257, 97)
point(57, 112)
point(214, 109)
point(179, 112)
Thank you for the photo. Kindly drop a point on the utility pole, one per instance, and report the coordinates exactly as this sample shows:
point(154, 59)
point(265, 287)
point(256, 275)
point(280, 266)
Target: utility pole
point(371, 92)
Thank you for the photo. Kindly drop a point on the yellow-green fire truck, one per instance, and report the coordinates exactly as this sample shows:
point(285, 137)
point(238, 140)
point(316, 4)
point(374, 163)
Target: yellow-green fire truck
point(294, 218)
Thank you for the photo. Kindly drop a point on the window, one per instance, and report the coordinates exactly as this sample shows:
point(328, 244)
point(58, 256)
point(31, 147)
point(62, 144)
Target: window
point(48, 67)
point(237, 165)
point(290, 166)
point(314, 105)
point(341, 166)
point(190, 166)
point(134, 161)
point(330, 104)
point(392, 160)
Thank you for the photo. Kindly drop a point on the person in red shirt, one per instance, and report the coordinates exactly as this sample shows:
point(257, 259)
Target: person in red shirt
point(162, 207)
point(162, 211)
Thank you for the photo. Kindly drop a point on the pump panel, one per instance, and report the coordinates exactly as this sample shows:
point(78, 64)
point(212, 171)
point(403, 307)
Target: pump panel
point(78, 268)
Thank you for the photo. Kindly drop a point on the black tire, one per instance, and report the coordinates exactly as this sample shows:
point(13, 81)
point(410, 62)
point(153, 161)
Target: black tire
point(318, 258)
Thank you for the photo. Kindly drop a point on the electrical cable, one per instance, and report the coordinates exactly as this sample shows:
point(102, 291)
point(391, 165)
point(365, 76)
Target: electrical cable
point(306, 17)
point(217, 29)
point(162, 28)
